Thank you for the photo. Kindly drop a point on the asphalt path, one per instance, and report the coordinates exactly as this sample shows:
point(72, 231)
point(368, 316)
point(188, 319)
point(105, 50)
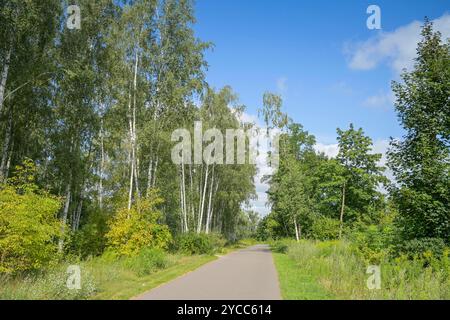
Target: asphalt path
point(246, 274)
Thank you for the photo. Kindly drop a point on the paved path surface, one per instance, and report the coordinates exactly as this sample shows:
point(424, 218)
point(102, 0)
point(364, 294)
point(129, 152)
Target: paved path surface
point(241, 275)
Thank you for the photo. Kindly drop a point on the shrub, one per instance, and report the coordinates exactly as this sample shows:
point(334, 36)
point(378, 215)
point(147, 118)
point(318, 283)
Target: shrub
point(28, 223)
point(325, 228)
point(281, 246)
point(199, 243)
point(138, 228)
point(373, 242)
point(148, 261)
point(421, 247)
point(90, 239)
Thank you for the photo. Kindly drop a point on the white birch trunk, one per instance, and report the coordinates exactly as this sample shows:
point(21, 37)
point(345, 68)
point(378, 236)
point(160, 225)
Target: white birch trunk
point(149, 175)
point(64, 217)
point(4, 78)
point(154, 172)
point(297, 236)
point(130, 158)
point(6, 147)
point(102, 167)
point(208, 212)
point(200, 218)
point(186, 228)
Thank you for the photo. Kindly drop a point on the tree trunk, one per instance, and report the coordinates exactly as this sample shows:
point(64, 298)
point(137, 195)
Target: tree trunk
point(4, 78)
point(183, 199)
point(8, 163)
point(130, 154)
point(208, 212)
point(6, 147)
point(102, 165)
point(130, 193)
point(191, 193)
point(149, 175)
point(64, 216)
point(297, 235)
point(135, 149)
point(200, 218)
point(77, 216)
point(342, 211)
point(181, 207)
point(154, 171)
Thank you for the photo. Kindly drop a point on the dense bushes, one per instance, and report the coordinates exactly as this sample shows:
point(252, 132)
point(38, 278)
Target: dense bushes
point(28, 223)
point(421, 247)
point(137, 228)
point(90, 239)
point(325, 228)
point(199, 243)
point(373, 242)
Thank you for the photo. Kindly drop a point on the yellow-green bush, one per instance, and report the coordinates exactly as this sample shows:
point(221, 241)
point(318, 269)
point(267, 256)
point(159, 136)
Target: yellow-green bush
point(325, 228)
point(134, 229)
point(28, 223)
point(199, 243)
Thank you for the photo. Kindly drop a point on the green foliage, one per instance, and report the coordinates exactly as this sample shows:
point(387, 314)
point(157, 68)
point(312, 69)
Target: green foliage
point(422, 247)
point(246, 225)
point(374, 242)
point(148, 261)
point(133, 229)
point(90, 239)
point(199, 243)
point(268, 228)
point(28, 223)
point(420, 161)
point(281, 246)
point(361, 175)
point(325, 228)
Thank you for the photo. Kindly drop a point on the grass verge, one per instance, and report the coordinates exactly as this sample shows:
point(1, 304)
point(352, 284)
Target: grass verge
point(295, 284)
point(101, 278)
point(108, 277)
point(334, 270)
point(128, 285)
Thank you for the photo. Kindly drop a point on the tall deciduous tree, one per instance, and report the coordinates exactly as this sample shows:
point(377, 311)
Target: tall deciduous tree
point(421, 161)
point(361, 175)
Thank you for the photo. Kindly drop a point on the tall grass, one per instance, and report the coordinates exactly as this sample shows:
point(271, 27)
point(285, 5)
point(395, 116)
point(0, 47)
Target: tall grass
point(111, 277)
point(97, 275)
point(340, 270)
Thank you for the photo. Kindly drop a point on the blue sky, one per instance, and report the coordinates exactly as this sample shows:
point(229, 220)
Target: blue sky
point(319, 55)
point(298, 48)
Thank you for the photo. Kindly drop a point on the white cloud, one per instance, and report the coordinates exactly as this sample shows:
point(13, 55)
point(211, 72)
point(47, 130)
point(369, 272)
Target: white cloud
point(330, 150)
point(381, 146)
point(396, 48)
point(380, 101)
point(246, 117)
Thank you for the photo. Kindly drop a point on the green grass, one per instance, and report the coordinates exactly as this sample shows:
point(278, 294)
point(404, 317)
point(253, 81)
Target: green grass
point(127, 284)
point(334, 270)
point(295, 284)
point(101, 278)
point(108, 277)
